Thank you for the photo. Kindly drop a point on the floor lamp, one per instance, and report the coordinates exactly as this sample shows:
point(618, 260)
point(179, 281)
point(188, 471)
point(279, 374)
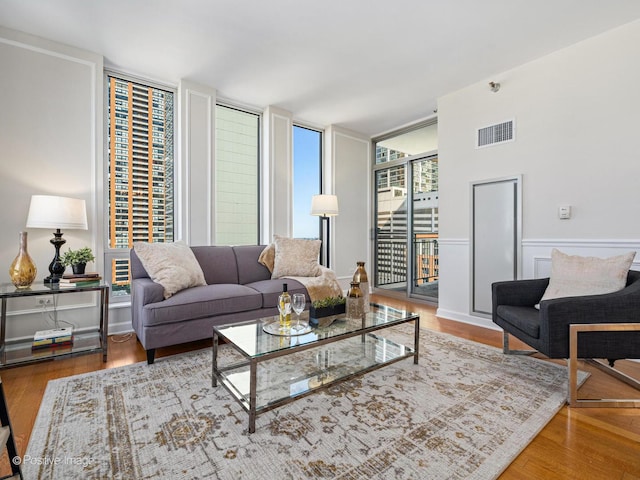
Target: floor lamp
point(325, 207)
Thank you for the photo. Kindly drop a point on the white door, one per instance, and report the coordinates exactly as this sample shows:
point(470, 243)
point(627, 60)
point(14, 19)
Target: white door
point(495, 243)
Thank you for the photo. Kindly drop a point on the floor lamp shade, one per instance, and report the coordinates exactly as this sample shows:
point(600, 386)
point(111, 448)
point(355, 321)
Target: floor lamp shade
point(48, 211)
point(325, 206)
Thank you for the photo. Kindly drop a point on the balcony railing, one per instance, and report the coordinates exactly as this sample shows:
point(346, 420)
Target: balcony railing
point(392, 261)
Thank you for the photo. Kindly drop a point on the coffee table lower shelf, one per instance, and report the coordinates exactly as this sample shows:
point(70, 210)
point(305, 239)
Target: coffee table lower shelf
point(284, 379)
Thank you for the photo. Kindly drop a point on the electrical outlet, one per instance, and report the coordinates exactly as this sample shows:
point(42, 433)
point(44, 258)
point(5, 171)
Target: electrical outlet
point(44, 302)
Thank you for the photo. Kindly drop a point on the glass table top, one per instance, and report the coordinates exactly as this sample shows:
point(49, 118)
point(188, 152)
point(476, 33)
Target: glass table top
point(40, 288)
point(253, 341)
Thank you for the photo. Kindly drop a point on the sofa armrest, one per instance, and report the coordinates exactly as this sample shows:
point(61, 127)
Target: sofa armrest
point(522, 293)
point(143, 292)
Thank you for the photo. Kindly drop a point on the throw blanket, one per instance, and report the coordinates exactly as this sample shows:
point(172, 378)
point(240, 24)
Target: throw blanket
point(323, 286)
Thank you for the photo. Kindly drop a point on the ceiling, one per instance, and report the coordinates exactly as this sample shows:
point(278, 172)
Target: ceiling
point(370, 66)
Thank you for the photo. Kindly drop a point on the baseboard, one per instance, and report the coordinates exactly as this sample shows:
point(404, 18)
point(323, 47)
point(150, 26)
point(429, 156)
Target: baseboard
point(468, 319)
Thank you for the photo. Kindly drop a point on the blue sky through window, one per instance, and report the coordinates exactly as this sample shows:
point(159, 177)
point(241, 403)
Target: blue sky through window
point(306, 180)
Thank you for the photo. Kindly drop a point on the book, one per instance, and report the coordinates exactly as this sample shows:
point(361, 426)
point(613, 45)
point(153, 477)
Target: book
point(66, 343)
point(81, 275)
point(53, 333)
point(52, 341)
point(78, 284)
point(81, 280)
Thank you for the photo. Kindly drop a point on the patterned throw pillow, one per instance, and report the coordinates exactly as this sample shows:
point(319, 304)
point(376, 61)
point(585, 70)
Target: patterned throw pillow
point(296, 257)
point(573, 276)
point(172, 265)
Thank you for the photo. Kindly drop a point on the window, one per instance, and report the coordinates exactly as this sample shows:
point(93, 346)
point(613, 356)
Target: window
point(237, 206)
point(140, 122)
point(307, 158)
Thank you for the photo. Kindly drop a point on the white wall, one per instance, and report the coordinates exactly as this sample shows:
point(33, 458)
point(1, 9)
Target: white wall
point(51, 99)
point(577, 114)
point(195, 163)
point(347, 174)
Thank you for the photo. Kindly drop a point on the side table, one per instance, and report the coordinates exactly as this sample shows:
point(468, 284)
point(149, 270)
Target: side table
point(84, 342)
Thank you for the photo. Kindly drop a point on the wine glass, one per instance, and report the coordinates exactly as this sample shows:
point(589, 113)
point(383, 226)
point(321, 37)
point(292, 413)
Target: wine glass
point(299, 302)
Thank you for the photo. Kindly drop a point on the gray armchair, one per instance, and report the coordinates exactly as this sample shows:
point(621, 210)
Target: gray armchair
point(613, 330)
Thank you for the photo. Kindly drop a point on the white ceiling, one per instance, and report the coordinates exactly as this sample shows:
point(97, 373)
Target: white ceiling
point(367, 65)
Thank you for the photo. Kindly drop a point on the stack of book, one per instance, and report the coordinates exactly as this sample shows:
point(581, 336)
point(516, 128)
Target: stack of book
point(57, 337)
point(76, 280)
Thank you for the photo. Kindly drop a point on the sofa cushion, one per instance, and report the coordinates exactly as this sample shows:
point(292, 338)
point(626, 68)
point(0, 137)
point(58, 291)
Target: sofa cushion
point(573, 276)
point(271, 290)
point(296, 257)
point(249, 268)
point(218, 263)
point(172, 265)
point(202, 302)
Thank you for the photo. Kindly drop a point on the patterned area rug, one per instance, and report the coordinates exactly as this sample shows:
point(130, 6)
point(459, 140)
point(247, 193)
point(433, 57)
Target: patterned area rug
point(464, 412)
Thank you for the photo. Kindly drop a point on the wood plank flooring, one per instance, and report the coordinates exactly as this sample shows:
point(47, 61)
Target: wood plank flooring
point(587, 443)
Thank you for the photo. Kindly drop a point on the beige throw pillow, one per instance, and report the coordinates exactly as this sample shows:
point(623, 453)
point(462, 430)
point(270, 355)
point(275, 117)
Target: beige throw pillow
point(296, 257)
point(573, 276)
point(172, 265)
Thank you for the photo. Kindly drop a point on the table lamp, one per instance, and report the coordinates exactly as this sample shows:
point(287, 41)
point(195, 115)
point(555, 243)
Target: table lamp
point(324, 206)
point(47, 211)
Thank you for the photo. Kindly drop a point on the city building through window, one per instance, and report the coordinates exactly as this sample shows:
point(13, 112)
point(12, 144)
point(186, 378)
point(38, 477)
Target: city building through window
point(140, 124)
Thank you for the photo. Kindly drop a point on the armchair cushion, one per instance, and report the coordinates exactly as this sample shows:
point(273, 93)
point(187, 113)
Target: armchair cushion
point(573, 275)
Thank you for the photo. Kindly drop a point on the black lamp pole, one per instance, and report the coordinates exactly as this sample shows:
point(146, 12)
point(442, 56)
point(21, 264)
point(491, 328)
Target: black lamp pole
point(327, 240)
point(56, 268)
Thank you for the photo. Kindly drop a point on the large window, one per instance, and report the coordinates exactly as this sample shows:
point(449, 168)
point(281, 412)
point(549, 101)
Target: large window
point(307, 157)
point(237, 177)
point(140, 172)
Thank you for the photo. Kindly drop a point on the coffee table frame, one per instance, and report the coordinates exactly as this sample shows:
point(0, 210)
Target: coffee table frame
point(252, 359)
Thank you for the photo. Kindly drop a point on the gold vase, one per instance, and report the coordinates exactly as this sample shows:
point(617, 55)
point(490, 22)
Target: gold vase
point(361, 277)
point(355, 305)
point(22, 270)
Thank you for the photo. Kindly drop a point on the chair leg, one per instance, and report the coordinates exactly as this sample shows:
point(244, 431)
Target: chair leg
point(573, 399)
point(507, 351)
point(610, 370)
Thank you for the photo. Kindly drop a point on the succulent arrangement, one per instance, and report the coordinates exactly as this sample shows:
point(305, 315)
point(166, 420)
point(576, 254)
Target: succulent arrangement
point(329, 302)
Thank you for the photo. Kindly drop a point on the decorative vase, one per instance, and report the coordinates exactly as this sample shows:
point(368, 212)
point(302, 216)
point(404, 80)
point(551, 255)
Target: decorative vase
point(22, 270)
point(78, 268)
point(361, 277)
point(355, 301)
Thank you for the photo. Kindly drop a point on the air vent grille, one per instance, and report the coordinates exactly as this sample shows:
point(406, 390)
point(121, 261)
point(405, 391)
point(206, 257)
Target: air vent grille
point(496, 134)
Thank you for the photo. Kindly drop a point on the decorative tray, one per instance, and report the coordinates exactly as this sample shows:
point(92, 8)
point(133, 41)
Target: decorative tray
point(273, 328)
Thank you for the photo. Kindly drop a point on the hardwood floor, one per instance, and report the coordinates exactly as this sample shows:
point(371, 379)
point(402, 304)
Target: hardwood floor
point(587, 443)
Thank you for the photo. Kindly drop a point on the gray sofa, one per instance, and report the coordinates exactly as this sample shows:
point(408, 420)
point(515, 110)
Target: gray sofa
point(238, 288)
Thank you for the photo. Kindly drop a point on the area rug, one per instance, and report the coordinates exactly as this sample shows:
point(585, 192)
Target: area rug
point(465, 412)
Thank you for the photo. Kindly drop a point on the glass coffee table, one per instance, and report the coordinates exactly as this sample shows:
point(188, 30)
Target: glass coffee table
point(267, 371)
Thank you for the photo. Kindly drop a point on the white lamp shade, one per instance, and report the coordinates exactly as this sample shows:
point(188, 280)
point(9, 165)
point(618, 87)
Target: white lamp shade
point(324, 205)
point(47, 211)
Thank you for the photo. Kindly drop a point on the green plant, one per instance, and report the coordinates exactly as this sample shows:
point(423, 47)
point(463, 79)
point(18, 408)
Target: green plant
point(75, 257)
point(329, 302)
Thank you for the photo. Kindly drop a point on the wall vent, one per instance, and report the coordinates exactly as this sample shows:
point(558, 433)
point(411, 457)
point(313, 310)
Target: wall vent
point(495, 134)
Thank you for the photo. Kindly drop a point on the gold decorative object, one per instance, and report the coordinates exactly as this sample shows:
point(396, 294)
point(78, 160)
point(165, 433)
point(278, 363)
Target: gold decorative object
point(22, 270)
point(361, 277)
point(355, 301)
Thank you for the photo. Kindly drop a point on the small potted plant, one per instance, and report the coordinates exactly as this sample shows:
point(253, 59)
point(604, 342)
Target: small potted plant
point(327, 306)
point(78, 259)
